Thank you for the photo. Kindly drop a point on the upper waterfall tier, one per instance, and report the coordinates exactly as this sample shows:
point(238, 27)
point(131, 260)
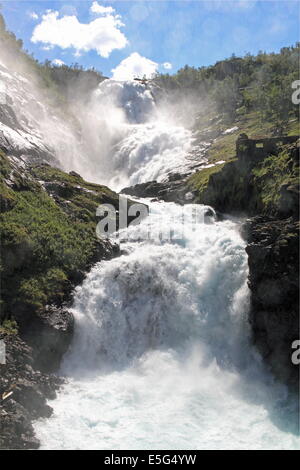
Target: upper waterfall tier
point(118, 134)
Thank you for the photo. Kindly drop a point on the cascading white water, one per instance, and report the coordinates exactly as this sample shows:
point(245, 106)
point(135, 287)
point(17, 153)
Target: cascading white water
point(115, 137)
point(135, 142)
point(161, 355)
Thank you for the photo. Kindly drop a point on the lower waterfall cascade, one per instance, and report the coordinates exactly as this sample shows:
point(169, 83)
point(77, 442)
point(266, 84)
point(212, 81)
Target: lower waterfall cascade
point(161, 355)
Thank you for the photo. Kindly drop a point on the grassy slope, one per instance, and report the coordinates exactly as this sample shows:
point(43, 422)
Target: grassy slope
point(46, 240)
point(268, 176)
point(271, 175)
point(259, 190)
point(224, 146)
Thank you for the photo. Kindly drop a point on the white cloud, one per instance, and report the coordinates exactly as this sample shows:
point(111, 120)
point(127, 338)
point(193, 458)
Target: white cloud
point(102, 34)
point(134, 66)
point(58, 62)
point(167, 65)
point(33, 15)
point(101, 10)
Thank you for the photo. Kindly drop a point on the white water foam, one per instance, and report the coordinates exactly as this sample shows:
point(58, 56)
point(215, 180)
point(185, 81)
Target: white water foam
point(161, 355)
point(137, 143)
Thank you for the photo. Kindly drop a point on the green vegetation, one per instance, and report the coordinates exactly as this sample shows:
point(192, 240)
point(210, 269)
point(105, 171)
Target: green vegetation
point(271, 175)
point(240, 85)
point(61, 80)
point(249, 95)
point(199, 180)
point(47, 237)
point(269, 186)
point(9, 327)
point(223, 146)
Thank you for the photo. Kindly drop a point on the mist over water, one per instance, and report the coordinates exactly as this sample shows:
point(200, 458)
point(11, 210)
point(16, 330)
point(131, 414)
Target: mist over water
point(118, 134)
point(140, 142)
point(161, 356)
point(127, 136)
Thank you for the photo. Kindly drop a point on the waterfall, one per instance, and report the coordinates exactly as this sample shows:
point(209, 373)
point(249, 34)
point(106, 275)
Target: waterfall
point(116, 136)
point(134, 141)
point(119, 134)
point(161, 356)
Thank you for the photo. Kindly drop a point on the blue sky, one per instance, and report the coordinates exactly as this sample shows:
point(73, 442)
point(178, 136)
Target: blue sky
point(135, 37)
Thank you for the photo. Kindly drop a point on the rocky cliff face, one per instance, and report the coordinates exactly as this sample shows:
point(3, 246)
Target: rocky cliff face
point(252, 186)
point(273, 257)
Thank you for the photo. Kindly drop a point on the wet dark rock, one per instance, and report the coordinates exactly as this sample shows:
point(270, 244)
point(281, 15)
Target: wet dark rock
point(6, 203)
point(289, 199)
point(149, 189)
point(273, 258)
point(49, 333)
point(28, 388)
point(209, 213)
point(173, 190)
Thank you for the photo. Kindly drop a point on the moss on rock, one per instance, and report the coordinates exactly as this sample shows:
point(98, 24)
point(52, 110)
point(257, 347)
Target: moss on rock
point(48, 234)
point(269, 187)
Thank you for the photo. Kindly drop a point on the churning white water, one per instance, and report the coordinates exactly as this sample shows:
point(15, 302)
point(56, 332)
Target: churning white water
point(137, 142)
point(161, 355)
point(116, 136)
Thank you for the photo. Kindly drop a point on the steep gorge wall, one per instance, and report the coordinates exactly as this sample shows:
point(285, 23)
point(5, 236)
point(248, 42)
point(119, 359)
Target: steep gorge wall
point(273, 257)
point(266, 188)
